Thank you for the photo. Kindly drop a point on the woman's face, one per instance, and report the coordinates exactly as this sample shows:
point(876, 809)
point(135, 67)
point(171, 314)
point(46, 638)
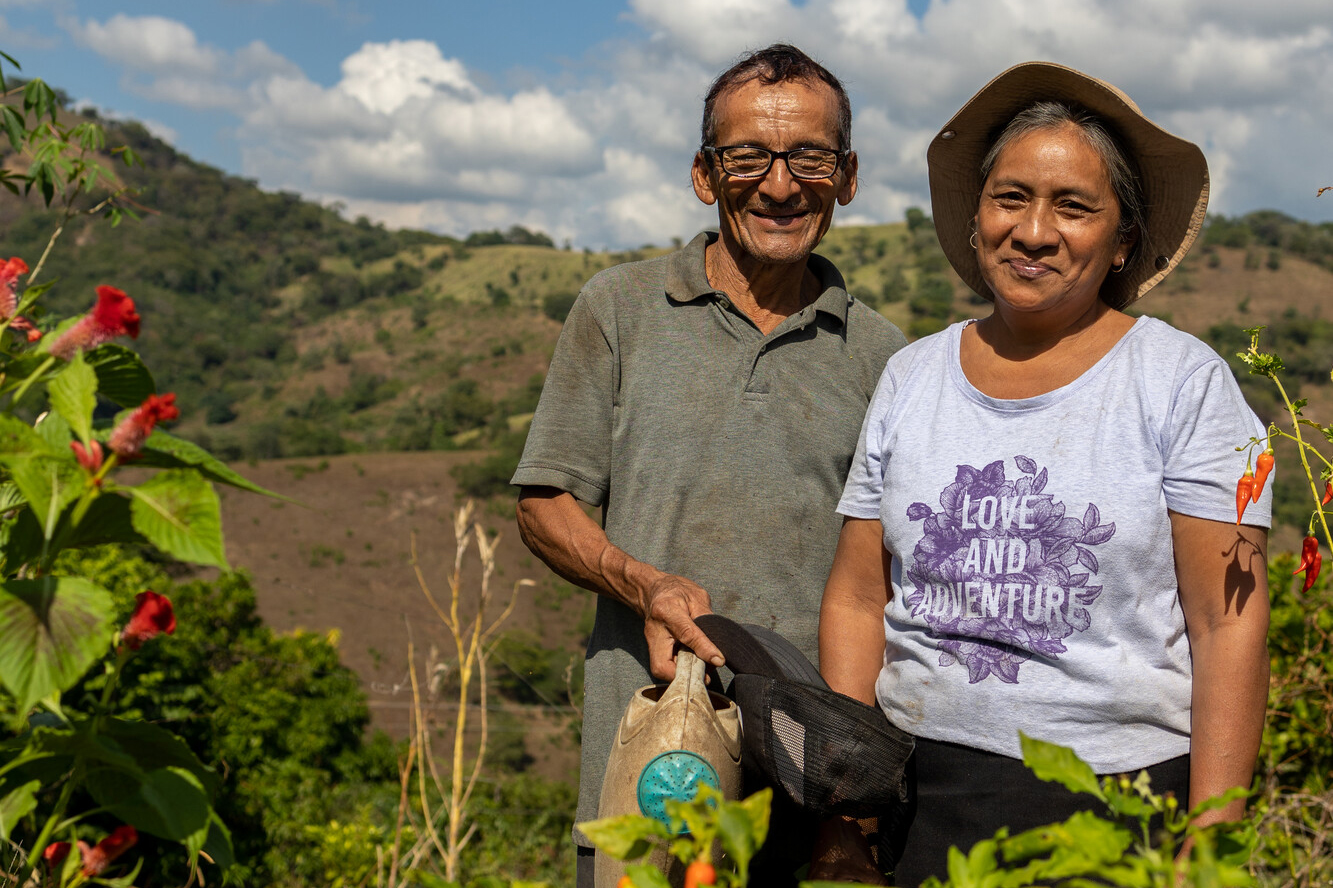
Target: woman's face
point(1047, 223)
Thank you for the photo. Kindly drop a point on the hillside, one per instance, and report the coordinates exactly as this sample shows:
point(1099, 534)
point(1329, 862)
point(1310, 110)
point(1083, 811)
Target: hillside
point(286, 330)
point(376, 377)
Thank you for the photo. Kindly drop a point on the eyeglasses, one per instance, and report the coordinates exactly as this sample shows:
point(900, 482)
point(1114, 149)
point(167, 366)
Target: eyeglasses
point(749, 162)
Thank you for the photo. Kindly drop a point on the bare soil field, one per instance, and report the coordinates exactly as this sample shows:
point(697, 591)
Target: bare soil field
point(339, 559)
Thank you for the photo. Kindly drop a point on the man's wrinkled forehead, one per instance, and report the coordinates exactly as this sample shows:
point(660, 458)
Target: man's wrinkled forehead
point(742, 106)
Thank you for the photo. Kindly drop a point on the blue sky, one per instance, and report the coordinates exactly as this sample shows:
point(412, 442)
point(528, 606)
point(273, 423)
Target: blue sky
point(580, 118)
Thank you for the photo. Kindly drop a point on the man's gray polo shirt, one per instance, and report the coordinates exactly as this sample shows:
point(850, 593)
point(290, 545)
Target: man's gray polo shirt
point(716, 452)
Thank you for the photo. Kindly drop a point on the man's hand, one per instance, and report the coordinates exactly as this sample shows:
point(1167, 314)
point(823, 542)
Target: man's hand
point(558, 531)
point(669, 605)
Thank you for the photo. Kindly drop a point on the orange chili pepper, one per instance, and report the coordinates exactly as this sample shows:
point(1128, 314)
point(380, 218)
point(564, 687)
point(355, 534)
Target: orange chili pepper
point(700, 872)
point(1262, 466)
point(1328, 494)
point(1244, 492)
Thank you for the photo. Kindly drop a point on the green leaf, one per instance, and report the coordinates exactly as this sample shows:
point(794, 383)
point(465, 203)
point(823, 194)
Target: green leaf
point(48, 479)
point(17, 805)
point(164, 451)
point(73, 395)
point(14, 127)
point(167, 802)
point(178, 511)
point(645, 876)
point(1219, 801)
point(217, 845)
point(10, 496)
point(51, 630)
point(154, 747)
point(121, 375)
point(626, 837)
point(1083, 844)
point(50, 483)
point(1054, 763)
point(106, 521)
point(56, 432)
point(743, 826)
point(17, 438)
point(86, 743)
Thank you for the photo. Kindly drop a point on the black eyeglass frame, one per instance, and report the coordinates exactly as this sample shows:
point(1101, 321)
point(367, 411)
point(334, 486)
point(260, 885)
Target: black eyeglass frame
point(714, 152)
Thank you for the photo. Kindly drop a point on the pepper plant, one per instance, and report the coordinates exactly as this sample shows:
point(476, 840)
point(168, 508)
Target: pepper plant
point(1319, 474)
point(738, 827)
point(77, 787)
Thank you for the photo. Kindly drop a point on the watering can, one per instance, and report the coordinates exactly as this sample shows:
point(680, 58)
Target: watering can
point(671, 740)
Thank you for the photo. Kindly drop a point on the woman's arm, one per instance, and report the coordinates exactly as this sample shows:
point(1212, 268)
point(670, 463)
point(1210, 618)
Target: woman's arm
point(1222, 572)
point(851, 617)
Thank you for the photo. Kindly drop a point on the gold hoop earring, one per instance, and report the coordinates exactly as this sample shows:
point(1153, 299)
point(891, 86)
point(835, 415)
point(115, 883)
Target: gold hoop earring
point(972, 241)
point(1115, 270)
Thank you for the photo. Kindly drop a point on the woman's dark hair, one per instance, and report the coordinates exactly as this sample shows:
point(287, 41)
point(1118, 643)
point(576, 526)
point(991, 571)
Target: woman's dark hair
point(779, 63)
point(1125, 183)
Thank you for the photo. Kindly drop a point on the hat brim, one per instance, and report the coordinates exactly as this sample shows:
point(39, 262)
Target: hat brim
point(829, 753)
point(1172, 171)
point(754, 650)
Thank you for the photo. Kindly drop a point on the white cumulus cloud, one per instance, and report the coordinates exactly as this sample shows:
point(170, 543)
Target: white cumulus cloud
point(600, 154)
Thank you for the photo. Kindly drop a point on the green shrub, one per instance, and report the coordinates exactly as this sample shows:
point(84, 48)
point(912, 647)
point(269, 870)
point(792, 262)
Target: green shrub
point(556, 306)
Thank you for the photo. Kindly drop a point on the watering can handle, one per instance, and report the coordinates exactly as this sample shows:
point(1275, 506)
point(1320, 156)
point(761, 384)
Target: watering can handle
point(689, 678)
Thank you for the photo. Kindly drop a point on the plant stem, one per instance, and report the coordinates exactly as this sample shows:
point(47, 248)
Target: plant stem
point(44, 837)
point(1305, 461)
point(27, 383)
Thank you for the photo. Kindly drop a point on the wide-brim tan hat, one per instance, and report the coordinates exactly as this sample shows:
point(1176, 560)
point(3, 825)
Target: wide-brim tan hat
point(1173, 173)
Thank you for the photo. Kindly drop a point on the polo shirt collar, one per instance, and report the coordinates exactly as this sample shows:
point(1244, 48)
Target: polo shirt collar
point(687, 280)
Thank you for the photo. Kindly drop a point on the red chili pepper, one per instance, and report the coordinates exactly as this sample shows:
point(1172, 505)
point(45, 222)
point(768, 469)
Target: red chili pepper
point(1309, 549)
point(1328, 494)
point(700, 872)
point(1311, 561)
point(1244, 492)
point(1312, 572)
point(1262, 466)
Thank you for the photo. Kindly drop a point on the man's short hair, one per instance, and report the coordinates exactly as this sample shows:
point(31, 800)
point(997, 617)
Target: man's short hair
point(779, 63)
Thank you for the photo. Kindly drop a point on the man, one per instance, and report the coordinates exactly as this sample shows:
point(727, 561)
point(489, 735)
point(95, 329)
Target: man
point(709, 401)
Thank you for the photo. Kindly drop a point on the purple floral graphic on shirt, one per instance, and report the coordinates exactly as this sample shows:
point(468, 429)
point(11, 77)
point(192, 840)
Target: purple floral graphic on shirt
point(1000, 573)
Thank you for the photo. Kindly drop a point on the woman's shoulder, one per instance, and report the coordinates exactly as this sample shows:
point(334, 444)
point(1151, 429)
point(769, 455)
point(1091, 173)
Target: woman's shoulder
point(1160, 348)
point(929, 351)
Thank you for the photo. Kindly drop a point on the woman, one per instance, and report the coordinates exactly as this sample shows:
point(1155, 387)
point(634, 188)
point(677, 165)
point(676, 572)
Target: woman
point(1039, 523)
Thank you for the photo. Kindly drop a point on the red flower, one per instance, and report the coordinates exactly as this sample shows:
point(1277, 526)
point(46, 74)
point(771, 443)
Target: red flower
point(9, 285)
point(128, 437)
point(152, 616)
point(90, 459)
point(112, 316)
point(55, 853)
point(24, 324)
point(98, 858)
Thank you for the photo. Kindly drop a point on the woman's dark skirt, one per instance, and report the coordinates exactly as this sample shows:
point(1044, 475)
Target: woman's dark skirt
point(963, 795)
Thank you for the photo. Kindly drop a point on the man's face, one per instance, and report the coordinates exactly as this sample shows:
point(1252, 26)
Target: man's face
point(776, 219)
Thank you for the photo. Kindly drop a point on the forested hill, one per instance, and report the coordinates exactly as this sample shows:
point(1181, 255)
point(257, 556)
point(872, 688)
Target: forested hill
point(286, 330)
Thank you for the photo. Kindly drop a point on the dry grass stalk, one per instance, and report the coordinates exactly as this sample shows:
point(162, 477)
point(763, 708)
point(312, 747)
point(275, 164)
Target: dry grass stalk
point(447, 831)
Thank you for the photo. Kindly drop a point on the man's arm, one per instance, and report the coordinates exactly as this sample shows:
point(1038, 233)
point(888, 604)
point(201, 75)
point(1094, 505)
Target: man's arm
point(557, 530)
point(1222, 572)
